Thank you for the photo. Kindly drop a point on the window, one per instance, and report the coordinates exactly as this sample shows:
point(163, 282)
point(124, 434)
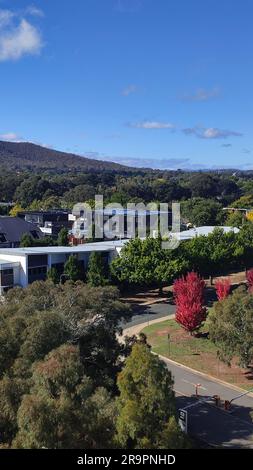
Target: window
point(2, 238)
point(6, 278)
point(37, 274)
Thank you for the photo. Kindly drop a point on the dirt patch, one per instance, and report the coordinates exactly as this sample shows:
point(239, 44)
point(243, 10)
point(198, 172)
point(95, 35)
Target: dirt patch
point(163, 332)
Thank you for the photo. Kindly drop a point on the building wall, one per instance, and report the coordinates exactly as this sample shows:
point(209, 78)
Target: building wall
point(20, 275)
point(32, 261)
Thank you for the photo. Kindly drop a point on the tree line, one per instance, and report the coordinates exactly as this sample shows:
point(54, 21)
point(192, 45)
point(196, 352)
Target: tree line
point(144, 263)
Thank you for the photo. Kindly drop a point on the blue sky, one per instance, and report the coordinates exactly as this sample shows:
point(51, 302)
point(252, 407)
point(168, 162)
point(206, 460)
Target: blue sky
point(159, 83)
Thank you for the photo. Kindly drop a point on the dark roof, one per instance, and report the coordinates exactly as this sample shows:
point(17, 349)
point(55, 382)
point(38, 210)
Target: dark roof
point(13, 228)
point(49, 212)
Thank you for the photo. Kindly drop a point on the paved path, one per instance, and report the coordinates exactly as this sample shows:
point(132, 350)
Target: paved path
point(145, 315)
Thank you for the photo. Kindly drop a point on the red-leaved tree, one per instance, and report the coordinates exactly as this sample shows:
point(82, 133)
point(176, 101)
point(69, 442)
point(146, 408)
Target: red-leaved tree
point(249, 276)
point(223, 288)
point(189, 299)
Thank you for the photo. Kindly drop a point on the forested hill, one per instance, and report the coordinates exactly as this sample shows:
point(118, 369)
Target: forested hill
point(27, 156)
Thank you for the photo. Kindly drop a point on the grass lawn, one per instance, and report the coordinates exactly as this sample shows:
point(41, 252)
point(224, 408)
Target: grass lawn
point(198, 353)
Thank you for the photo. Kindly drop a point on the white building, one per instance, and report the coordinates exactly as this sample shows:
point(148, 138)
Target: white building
point(204, 231)
point(22, 266)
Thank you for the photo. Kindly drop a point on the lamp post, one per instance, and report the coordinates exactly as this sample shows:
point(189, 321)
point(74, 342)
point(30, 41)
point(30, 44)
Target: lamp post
point(197, 386)
point(169, 342)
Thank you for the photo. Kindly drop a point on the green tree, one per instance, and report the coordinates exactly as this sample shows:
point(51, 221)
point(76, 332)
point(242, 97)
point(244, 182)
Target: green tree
point(200, 211)
point(53, 275)
point(146, 403)
point(50, 203)
point(244, 245)
point(208, 255)
point(96, 274)
point(31, 189)
point(33, 323)
point(235, 219)
point(231, 327)
point(63, 237)
point(63, 410)
point(15, 210)
point(26, 241)
point(146, 263)
point(245, 202)
point(72, 269)
point(11, 390)
point(204, 185)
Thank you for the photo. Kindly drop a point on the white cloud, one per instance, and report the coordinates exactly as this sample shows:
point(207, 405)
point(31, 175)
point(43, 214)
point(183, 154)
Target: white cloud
point(151, 125)
point(129, 90)
point(35, 11)
point(11, 137)
point(202, 95)
point(211, 133)
point(5, 17)
point(17, 38)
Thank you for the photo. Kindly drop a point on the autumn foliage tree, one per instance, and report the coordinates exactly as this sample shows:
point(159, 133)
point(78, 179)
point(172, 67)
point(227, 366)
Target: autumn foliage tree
point(189, 298)
point(223, 289)
point(250, 279)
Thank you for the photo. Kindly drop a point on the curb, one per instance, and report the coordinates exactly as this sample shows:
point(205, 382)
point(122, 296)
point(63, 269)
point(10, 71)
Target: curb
point(207, 376)
point(146, 324)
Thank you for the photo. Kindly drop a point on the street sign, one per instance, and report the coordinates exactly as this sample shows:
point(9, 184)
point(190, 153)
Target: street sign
point(183, 420)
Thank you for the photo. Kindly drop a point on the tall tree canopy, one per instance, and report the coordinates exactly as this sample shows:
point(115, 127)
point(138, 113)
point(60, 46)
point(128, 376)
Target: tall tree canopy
point(146, 263)
point(231, 327)
point(63, 336)
point(146, 404)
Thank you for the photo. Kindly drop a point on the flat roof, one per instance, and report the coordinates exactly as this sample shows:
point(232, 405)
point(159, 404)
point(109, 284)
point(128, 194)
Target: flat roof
point(42, 250)
point(205, 230)
point(5, 264)
point(107, 245)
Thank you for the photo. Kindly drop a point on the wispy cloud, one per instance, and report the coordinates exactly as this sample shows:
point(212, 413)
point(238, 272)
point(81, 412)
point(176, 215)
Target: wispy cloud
point(18, 36)
point(35, 11)
point(129, 90)
point(142, 162)
point(226, 145)
point(202, 95)
point(211, 133)
point(11, 137)
point(151, 125)
point(5, 17)
point(165, 163)
point(247, 151)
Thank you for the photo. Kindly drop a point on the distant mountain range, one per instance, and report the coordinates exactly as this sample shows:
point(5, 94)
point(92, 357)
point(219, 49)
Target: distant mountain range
point(27, 156)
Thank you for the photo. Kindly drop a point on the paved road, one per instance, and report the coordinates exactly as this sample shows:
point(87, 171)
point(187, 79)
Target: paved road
point(145, 313)
point(206, 422)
